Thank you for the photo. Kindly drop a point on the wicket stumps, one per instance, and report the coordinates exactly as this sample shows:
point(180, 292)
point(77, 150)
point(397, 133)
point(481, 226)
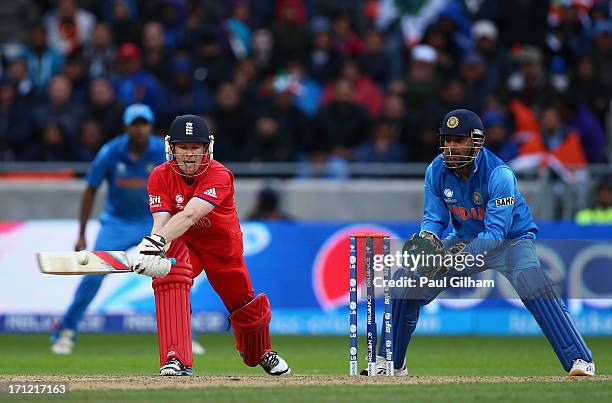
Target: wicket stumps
point(371, 329)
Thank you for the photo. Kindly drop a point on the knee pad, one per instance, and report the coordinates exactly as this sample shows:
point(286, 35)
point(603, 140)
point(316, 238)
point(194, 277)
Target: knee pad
point(251, 329)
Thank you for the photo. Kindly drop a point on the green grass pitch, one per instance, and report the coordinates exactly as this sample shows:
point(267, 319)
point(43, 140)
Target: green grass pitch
point(136, 355)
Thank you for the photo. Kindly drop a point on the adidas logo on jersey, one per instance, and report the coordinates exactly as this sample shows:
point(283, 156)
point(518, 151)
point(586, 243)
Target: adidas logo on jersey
point(211, 192)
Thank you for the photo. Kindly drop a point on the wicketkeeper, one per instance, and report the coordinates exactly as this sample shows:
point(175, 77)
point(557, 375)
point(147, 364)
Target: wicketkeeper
point(474, 190)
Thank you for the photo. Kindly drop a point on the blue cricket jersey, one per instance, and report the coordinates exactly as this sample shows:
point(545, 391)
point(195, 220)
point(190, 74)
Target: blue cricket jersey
point(127, 195)
point(485, 209)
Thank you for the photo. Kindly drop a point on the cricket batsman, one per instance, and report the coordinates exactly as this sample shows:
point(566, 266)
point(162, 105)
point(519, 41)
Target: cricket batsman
point(191, 198)
point(474, 190)
point(124, 162)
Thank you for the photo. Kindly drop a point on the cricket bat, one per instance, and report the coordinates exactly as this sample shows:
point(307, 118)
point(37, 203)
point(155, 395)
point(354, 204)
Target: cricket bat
point(84, 262)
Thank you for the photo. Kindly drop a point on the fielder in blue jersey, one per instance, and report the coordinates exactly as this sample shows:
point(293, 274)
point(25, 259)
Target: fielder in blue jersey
point(125, 163)
point(471, 188)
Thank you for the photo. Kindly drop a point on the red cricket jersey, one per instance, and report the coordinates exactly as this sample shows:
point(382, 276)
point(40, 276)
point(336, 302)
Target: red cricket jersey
point(217, 237)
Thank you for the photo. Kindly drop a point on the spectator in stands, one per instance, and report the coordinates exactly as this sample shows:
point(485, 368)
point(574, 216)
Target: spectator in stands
point(424, 146)
point(214, 65)
point(394, 112)
point(267, 207)
point(522, 21)
point(100, 53)
point(421, 83)
point(366, 92)
point(60, 109)
point(183, 94)
point(15, 127)
point(601, 212)
point(289, 31)
point(473, 74)
point(529, 82)
point(324, 60)
point(75, 70)
point(172, 16)
point(484, 35)
point(384, 145)
point(17, 17)
point(451, 96)
point(90, 140)
point(246, 79)
point(555, 140)
point(307, 93)
point(263, 51)
point(69, 27)
point(104, 108)
point(122, 17)
point(346, 41)
point(156, 55)
point(374, 61)
point(586, 86)
point(567, 36)
point(267, 143)
point(498, 137)
point(576, 114)
point(52, 145)
point(293, 121)
point(602, 40)
point(342, 124)
point(133, 84)
point(236, 30)
point(18, 72)
point(440, 36)
point(43, 61)
point(232, 121)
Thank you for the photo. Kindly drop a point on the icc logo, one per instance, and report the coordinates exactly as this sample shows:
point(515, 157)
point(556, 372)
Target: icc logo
point(179, 198)
point(448, 193)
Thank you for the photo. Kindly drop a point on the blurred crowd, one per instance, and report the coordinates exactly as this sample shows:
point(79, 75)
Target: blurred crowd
point(309, 80)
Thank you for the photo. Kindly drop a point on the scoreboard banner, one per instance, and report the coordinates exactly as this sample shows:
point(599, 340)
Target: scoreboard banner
point(303, 268)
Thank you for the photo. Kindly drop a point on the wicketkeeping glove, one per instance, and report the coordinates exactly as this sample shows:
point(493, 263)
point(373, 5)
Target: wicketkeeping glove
point(426, 244)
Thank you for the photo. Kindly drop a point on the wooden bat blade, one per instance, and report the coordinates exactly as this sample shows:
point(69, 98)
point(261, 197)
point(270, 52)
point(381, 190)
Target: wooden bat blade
point(98, 262)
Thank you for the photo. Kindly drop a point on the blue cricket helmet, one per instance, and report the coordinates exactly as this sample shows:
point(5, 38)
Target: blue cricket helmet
point(463, 123)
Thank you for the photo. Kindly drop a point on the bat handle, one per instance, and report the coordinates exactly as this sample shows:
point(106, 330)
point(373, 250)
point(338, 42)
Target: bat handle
point(172, 260)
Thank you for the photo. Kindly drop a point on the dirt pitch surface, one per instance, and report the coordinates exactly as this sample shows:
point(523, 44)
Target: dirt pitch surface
point(79, 382)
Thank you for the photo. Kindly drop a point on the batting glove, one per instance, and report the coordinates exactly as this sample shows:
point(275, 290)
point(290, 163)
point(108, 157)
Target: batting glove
point(152, 265)
point(152, 245)
point(150, 256)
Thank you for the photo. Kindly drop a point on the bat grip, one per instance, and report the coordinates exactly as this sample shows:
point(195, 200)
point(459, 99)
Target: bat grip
point(172, 260)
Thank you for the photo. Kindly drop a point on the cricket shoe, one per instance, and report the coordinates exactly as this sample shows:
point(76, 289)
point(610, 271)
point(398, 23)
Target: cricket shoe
point(274, 364)
point(381, 368)
point(197, 348)
point(582, 368)
point(174, 367)
point(64, 343)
